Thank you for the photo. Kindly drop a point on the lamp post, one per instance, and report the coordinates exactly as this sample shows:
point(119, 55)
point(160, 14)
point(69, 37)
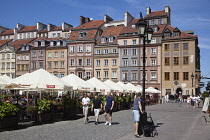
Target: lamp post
point(192, 77)
point(145, 33)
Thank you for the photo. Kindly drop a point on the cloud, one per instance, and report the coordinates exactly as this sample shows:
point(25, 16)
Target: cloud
point(198, 19)
point(204, 43)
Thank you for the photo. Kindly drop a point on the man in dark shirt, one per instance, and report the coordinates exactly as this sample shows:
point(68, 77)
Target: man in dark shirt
point(97, 106)
point(109, 104)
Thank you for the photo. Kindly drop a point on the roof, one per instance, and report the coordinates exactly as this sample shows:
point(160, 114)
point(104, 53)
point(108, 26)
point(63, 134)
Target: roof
point(28, 28)
point(111, 31)
point(3, 42)
point(182, 35)
point(7, 32)
point(57, 28)
point(90, 34)
point(90, 24)
point(17, 44)
point(129, 28)
point(43, 31)
point(156, 13)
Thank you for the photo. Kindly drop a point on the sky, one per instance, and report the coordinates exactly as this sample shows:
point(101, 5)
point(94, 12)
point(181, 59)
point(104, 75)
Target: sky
point(185, 14)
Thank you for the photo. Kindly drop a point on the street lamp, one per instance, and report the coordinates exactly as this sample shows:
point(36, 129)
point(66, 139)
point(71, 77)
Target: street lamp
point(145, 33)
point(192, 77)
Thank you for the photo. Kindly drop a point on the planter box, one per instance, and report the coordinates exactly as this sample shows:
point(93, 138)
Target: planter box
point(70, 113)
point(8, 122)
point(45, 117)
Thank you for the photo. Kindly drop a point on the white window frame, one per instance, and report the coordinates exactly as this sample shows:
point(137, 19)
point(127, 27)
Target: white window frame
point(114, 62)
point(98, 62)
point(106, 51)
point(88, 48)
point(134, 62)
point(62, 64)
point(80, 48)
point(114, 74)
point(125, 62)
point(106, 74)
point(55, 54)
point(134, 51)
point(153, 51)
point(98, 74)
point(153, 76)
point(88, 62)
point(106, 62)
point(72, 49)
point(153, 62)
point(72, 62)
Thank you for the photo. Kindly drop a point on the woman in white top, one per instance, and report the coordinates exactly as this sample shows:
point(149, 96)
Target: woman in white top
point(188, 101)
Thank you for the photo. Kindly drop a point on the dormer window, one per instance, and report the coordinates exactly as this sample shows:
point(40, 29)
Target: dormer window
point(155, 29)
point(43, 43)
point(51, 43)
point(176, 34)
point(133, 26)
point(111, 39)
point(58, 43)
point(82, 34)
point(103, 40)
point(152, 22)
point(23, 48)
point(167, 34)
point(27, 48)
point(64, 43)
point(159, 21)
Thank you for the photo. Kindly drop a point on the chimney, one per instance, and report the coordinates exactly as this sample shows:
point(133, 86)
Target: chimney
point(20, 26)
point(167, 9)
point(127, 18)
point(87, 20)
point(107, 19)
point(82, 20)
point(15, 33)
point(148, 10)
point(65, 25)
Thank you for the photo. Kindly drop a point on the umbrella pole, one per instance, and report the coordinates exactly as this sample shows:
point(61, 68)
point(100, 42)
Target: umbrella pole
point(27, 95)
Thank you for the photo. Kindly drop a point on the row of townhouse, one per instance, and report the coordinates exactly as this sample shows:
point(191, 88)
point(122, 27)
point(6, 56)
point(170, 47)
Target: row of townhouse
point(106, 49)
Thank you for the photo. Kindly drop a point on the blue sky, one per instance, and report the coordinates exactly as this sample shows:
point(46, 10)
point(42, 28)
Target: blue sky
point(185, 14)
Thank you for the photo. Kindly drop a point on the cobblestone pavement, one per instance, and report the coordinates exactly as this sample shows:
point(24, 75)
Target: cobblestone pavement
point(180, 123)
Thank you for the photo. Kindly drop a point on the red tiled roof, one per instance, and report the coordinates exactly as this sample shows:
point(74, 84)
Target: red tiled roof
point(129, 28)
point(57, 28)
point(156, 13)
point(17, 44)
point(90, 24)
point(70, 28)
point(53, 38)
point(28, 28)
point(3, 42)
point(111, 31)
point(43, 31)
point(90, 34)
point(182, 35)
point(161, 29)
point(7, 32)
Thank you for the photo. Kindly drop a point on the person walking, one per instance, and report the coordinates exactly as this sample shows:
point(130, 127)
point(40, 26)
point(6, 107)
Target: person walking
point(137, 108)
point(180, 100)
point(96, 107)
point(188, 101)
point(108, 107)
point(85, 103)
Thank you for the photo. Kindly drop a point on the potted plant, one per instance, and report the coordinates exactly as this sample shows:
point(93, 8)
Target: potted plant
point(8, 115)
point(44, 110)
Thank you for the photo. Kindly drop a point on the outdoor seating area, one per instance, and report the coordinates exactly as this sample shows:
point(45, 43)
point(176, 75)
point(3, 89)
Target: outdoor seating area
point(40, 97)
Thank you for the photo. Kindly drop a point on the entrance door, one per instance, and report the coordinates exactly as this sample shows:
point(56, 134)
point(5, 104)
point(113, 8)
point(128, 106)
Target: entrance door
point(178, 91)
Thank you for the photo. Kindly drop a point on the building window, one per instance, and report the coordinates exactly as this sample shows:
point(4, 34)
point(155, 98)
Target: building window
point(56, 65)
point(27, 67)
point(54, 35)
point(98, 51)
point(56, 75)
point(18, 57)
point(71, 48)
point(27, 57)
point(125, 42)
point(62, 64)
point(106, 51)
point(41, 53)
point(153, 40)
point(167, 34)
point(32, 35)
point(79, 48)
point(20, 36)
point(51, 43)
point(114, 62)
point(8, 65)
point(125, 76)
point(114, 74)
point(176, 47)
point(33, 53)
point(186, 60)
point(106, 74)
point(125, 52)
point(152, 22)
point(62, 75)
point(88, 75)
point(33, 65)
point(176, 34)
point(82, 34)
point(3, 56)
point(13, 65)
point(13, 56)
point(114, 50)
point(98, 74)
point(133, 26)
point(134, 76)
point(153, 62)
point(80, 75)
point(134, 62)
point(125, 62)
point(185, 75)
point(134, 42)
point(58, 34)
point(153, 76)
point(134, 52)
point(23, 57)
point(176, 60)
point(105, 62)
point(88, 62)
point(24, 35)
point(167, 76)
point(176, 75)
point(49, 54)
point(185, 46)
point(167, 47)
point(79, 62)
point(111, 39)
point(153, 51)
point(71, 62)
point(28, 35)
point(62, 54)
point(49, 65)
point(40, 65)
point(167, 61)
point(88, 48)
point(3, 65)
point(8, 56)
point(98, 62)
point(55, 54)
point(145, 76)
point(103, 40)
point(159, 21)
point(18, 67)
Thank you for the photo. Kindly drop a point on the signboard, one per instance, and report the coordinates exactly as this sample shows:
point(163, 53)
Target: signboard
point(50, 86)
